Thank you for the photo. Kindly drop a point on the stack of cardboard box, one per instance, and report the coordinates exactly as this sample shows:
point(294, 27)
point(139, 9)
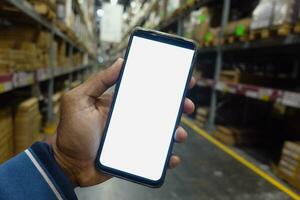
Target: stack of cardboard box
point(77, 59)
point(47, 8)
point(236, 136)
point(6, 134)
point(27, 123)
point(17, 49)
point(49, 128)
point(237, 29)
point(201, 116)
point(43, 42)
point(289, 166)
point(5, 62)
point(27, 49)
point(62, 59)
point(56, 99)
point(24, 48)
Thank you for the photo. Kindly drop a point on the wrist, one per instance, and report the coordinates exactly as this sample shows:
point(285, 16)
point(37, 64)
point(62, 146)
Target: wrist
point(65, 164)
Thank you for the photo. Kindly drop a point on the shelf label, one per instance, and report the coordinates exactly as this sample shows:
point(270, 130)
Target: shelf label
point(291, 99)
point(220, 86)
point(265, 95)
point(251, 94)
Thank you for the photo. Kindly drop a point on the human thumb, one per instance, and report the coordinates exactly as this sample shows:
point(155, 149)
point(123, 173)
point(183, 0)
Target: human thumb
point(103, 80)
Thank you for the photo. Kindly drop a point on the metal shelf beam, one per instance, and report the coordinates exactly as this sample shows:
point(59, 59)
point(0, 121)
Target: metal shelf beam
point(284, 97)
point(219, 63)
point(265, 43)
point(42, 75)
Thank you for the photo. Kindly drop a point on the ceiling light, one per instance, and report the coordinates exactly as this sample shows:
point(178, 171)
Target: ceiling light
point(100, 12)
point(113, 2)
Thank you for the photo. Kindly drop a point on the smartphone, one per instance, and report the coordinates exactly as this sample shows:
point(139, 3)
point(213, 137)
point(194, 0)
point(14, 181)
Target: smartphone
point(146, 109)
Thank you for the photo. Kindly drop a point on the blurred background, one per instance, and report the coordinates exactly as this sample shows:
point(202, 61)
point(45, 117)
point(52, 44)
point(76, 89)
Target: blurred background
point(244, 137)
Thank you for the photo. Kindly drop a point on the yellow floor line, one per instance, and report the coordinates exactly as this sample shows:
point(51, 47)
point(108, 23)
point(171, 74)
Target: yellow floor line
point(242, 160)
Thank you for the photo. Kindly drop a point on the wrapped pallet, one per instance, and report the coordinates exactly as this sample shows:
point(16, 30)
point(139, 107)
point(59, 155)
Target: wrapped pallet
point(172, 6)
point(289, 165)
point(6, 134)
point(274, 12)
point(262, 15)
point(283, 12)
point(27, 123)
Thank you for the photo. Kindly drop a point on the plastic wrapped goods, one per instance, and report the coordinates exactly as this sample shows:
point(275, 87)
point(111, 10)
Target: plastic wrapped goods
point(262, 15)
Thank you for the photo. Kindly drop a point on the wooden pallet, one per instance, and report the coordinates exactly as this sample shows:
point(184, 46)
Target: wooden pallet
point(297, 28)
point(230, 39)
point(294, 183)
point(230, 76)
point(281, 30)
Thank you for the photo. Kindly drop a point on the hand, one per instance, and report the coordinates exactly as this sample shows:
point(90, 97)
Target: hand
point(84, 112)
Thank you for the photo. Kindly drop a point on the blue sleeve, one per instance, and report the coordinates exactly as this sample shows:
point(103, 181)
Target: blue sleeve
point(34, 174)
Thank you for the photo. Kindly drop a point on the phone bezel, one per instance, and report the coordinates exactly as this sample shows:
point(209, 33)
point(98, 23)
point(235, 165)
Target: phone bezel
point(165, 38)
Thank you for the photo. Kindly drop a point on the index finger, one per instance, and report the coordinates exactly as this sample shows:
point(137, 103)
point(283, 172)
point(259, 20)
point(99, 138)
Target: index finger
point(192, 82)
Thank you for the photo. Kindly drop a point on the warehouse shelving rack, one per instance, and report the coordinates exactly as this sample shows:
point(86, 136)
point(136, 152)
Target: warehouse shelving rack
point(11, 82)
point(286, 98)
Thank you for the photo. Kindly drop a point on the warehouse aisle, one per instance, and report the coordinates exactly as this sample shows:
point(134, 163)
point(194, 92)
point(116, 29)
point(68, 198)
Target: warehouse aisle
point(206, 173)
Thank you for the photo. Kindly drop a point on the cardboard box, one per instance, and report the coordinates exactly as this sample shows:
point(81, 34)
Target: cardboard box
point(236, 136)
point(201, 116)
point(24, 48)
point(204, 24)
point(27, 123)
point(203, 111)
point(289, 165)
point(230, 76)
point(230, 28)
point(6, 134)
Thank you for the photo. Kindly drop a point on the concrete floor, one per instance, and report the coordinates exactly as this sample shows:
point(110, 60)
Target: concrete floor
point(206, 173)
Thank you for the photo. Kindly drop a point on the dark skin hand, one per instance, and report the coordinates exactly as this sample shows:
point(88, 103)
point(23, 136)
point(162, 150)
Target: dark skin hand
point(84, 112)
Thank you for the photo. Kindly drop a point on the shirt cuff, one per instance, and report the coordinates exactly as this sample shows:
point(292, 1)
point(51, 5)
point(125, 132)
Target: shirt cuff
point(44, 155)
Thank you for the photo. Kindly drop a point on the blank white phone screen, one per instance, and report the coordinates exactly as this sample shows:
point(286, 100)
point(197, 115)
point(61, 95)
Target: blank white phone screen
point(146, 108)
